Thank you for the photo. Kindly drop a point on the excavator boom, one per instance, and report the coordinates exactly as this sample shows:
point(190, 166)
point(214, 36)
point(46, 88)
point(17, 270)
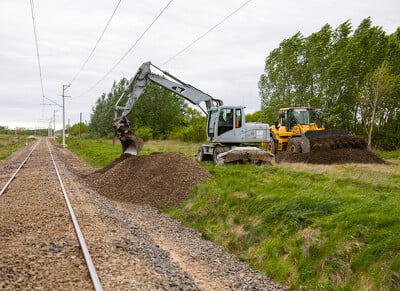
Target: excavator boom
point(132, 144)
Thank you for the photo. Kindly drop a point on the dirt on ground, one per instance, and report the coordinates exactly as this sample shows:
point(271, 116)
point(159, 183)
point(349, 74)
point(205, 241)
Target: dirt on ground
point(160, 179)
point(329, 156)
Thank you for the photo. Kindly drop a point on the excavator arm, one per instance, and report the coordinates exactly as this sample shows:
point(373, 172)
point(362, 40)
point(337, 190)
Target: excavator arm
point(131, 144)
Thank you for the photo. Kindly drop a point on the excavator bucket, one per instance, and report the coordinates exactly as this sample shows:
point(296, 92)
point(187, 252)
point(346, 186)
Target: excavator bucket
point(131, 144)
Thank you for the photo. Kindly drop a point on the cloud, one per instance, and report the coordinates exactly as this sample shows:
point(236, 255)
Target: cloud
point(226, 63)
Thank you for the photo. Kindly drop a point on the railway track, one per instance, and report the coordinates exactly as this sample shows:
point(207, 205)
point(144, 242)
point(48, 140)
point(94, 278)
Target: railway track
point(66, 246)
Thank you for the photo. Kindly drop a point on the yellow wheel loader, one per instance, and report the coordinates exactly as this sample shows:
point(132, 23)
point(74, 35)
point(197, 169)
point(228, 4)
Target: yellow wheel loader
point(295, 133)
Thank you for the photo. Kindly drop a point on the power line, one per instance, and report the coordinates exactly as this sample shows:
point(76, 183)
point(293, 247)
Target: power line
point(204, 34)
point(37, 45)
point(98, 41)
point(129, 50)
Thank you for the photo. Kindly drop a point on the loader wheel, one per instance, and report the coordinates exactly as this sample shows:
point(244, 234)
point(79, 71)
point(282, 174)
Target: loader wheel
point(294, 145)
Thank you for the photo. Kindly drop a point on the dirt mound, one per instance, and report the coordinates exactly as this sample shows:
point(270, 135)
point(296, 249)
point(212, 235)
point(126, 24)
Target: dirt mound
point(338, 156)
point(333, 142)
point(160, 179)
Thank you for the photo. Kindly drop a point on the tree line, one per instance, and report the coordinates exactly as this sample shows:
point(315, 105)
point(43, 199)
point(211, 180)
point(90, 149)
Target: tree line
point(352, 76)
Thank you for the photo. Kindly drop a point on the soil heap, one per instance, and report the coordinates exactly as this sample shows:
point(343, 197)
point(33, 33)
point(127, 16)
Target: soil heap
point(160, 179)
point(329, 156)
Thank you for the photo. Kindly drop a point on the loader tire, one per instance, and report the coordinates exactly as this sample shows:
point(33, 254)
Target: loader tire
point(294, 145)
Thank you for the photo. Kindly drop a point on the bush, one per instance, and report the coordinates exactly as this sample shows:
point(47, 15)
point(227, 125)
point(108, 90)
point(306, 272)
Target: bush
point(145, 133)
point(190, 133)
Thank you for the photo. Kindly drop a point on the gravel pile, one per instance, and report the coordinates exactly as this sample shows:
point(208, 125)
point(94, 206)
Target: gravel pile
point(160, 179)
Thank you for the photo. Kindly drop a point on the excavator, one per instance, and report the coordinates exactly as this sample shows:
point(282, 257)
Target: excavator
point(294, 132)
point(230, 137)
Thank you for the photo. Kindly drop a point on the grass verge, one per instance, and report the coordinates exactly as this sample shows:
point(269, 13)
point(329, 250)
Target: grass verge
point(9, 144)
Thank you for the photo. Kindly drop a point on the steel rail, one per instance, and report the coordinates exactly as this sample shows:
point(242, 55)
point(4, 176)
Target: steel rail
point(92, 270)
point(19, 168)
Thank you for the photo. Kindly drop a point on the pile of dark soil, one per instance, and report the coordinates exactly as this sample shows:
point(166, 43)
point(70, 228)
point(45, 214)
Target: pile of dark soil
point(160, 179)
point(338, 156)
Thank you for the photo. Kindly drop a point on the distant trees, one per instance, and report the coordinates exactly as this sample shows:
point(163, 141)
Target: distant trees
point(353, 77)
point(79, 128)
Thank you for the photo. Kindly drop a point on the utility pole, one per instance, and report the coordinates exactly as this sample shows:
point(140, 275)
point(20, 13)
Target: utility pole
point(80, 124)
point(54, 123)
point(63, 106)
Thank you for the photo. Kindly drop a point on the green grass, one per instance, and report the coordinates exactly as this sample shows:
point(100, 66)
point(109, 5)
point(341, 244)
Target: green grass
point(390, 155)
point(319, 227)
point(9, 144)
point(96, 152)
point(101, 152)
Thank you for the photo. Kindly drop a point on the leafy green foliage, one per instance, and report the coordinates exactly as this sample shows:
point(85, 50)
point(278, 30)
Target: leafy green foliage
point(193, 129)
point(158, 109)
point(338, 73)
point(79, 129)
point(103, 112)
point(257, 116)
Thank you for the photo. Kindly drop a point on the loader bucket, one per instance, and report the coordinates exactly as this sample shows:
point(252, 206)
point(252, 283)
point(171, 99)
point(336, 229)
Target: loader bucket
point(333, 139)
point(131, 144)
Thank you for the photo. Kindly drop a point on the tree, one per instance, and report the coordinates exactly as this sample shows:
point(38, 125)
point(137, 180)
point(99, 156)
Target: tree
point(103, 112)
point(257, 116)
point(79, 129)
point(158, 109)
point(376, 106)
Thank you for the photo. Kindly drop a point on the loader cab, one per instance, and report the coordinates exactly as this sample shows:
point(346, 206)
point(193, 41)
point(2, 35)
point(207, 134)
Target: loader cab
point(290, 117)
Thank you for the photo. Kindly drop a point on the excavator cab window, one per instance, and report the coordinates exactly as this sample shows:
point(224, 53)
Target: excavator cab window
point(225, 121)
point(238, 118)
point(212, 120)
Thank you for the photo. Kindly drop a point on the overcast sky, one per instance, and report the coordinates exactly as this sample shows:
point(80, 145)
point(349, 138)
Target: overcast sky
point(226, 63)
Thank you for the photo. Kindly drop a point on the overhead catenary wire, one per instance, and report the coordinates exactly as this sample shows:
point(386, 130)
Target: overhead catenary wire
point(204, 34)
point(128, 51)
point(37, 45)
point(97, 43)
